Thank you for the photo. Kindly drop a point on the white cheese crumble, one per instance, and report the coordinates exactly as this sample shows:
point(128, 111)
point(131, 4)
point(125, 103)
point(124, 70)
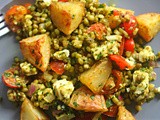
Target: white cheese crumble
point(146, 54)
point(111, 47)
point(63, 89)
point(141, 85)
point(61, 55)
point(48, 2)
point(131, 61)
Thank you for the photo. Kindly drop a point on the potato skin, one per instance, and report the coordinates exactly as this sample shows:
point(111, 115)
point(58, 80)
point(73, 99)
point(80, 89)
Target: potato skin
point(84, 99)
point(149, 25)
point(30, 112)
point(36, 50)
point(67, 15)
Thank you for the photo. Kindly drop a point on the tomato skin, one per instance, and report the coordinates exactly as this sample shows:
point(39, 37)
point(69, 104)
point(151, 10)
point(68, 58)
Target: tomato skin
point(117, 79)
point(58, 67)
point(27, 5)
point(129, 45)
point(99, 29)
point(15, 13)
point(130, 26)
point(118, 75)
point(112, 111)
point(121, 48)
point(116, 12)
point(9, 79)
point(120, 62)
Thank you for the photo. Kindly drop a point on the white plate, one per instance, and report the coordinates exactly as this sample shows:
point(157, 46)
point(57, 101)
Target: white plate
point(9, 48)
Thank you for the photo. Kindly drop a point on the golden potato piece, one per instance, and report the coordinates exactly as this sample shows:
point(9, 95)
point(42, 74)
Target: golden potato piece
point(36, 50)
point(30, 112)
point(67, 15)
point(84, 99)
point(96, 77)
point(124, 114)
point(149, 25)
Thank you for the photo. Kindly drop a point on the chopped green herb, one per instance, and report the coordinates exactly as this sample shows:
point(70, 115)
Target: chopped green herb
point(32, 51)
point(99, 56)
point(109, 103)
point(100, 118)
point(110, 13)
point(7, 74)
point(73, 16)
point(92, 97)
point(100, 85)
point(36, 62)
point(101, 6)
point(75, 104)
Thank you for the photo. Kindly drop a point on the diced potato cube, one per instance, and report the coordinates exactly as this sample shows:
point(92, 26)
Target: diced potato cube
point(36, 50)
point(124, 114)
point(95, 78)
point(30, 112)
point(67, 15)
point(84, 99)
point(149, 25)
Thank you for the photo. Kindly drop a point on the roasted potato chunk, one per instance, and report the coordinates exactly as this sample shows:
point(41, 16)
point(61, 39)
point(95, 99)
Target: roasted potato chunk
point(30, 112)
point(124, 114)
point(149, 25)
point(67, 15)
point(36, 50)
point(84, 99)
point(96, 77)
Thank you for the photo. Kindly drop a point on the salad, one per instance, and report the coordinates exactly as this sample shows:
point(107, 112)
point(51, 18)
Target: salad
point(82, 60)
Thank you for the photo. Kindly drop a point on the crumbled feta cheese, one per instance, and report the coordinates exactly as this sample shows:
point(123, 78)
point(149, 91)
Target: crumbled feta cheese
point(48, 2)
point(61, 55)
point(111, 47)
point(63, 89)
point(140, 84)
point(146, 54)
point(143, 79)
point(131, 61)
point(114, 37)
point(28, 69)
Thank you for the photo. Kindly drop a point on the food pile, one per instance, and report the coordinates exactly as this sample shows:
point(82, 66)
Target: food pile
point(83, 60)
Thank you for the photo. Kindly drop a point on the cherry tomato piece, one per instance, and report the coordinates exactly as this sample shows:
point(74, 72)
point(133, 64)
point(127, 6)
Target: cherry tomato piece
point(117, 79)
point(121, 48)
point(118, 75)
point(120, 62)
point(116, 12)
point(14, 16)
point(99, 29)
point(27, 5)
point(129, 45)
point(58, 67)
point(130, 25)
point(8, 78)
point(112, 111)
